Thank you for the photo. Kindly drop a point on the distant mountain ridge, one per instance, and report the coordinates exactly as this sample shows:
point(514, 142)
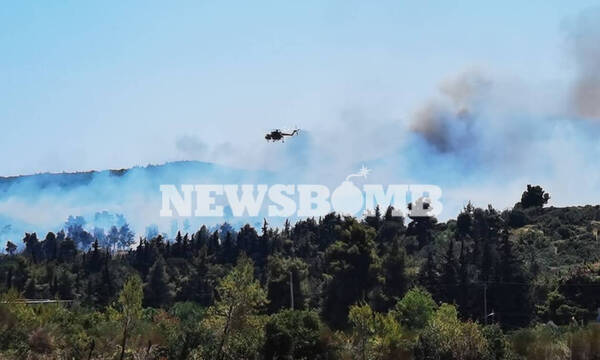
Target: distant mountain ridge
point(66, 179)
point(43, 202)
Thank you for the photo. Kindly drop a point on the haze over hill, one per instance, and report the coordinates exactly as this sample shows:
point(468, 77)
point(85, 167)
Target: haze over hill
point(479, 131)
point(43, 202)
point(101, 199)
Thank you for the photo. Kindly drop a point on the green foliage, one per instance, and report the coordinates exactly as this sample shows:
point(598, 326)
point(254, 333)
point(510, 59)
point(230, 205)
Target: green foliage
point(529, 265)
point(296, 334)
point(280, 271)
point(498, 345)
point(378, 336)
point(446, 337)
point(354, 269)
point(415, 309)
point(540, 342)
point(234, 318)
point(130, 301)
point(534, 196)
point(584, 343)
point(158, 290)
point(517, 218)
point(362, 320)
point(10, 247)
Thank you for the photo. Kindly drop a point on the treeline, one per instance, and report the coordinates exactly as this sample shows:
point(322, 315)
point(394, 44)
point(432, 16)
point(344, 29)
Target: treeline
point(521, 283)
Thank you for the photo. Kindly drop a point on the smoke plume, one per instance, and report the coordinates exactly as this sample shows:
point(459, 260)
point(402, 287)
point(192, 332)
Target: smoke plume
point(584, 40)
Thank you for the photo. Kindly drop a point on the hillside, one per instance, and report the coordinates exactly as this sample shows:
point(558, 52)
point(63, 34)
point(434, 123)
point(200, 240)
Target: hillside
point(490, 284)
point(44, 202)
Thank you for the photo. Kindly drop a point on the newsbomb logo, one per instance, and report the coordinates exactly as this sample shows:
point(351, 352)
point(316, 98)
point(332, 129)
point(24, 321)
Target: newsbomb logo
point(302, 200)
point(347, 198)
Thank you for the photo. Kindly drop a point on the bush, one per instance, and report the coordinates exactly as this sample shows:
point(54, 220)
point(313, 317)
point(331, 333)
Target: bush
point(415, 309)
point(295, 334)
point(517, 218)
point(446, 337)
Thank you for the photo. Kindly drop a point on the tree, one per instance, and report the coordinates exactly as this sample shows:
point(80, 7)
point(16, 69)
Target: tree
point(295, 334)
point(446, 337)
point(10, 248)
point(130, 300)
point(64, 286)
point(279, 271)
point(464, 221)
point(213, 243)
point(112, 238)
point(363, 327)
point(422, 228)
point(157, 291)
point(33, 249)
point(50, 246)
point(415, 309)
point(428, 274)
point(125, 237)
point(448, 277)
point(374, 219)
point(388, 231)
point(375, 335)
point(498, 345)
point(394, 272)
point(510, 297)
point(189, 333)
point(517, 218)
point(534, 196)
point(228, 252)
point(94, 258)
point(233, 318)
point(75, 230)
point(247, 240)
point(354, 269)
point(104, 288)
point(67, 250)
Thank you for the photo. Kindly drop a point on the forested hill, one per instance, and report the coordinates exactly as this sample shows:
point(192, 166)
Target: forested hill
point(43, 202)
point(170, 171)
point(487, 285)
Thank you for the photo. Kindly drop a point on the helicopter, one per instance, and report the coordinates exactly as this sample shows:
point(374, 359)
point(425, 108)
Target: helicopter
point(277, 135)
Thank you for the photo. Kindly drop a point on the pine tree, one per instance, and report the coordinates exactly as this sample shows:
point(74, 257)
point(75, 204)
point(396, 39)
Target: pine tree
point(394, 272)
point(463, 276)
point(228, 252)
point(105, 289)
point(177, 248)
point(448, 276)
point(428, 274)
point(50, 246)
point(354, 268)
point(510, 297)
point(213, 243)
point(279, 270)
point(32, 247)
point(374, 221)
point(158, 292)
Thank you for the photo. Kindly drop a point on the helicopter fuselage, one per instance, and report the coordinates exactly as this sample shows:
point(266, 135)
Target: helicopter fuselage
point(277, 135)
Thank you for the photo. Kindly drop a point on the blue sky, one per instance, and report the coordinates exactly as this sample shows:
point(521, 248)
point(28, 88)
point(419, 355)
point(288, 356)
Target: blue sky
point(94, 85)
point(479, 98)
